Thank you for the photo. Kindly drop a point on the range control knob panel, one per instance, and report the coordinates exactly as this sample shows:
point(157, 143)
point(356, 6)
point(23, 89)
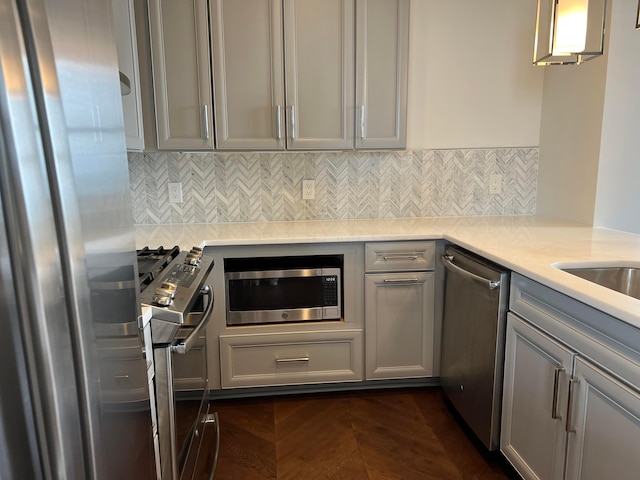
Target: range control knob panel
point(180, 282)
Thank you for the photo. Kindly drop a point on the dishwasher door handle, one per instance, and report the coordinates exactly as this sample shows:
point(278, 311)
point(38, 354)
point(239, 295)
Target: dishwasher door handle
point(448, 263)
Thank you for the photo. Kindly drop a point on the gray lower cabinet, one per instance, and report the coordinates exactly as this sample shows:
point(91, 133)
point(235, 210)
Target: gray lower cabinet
point(399, 310)
point(533, 438)
point(571, 400)
point(190, 369)
point(179, 37)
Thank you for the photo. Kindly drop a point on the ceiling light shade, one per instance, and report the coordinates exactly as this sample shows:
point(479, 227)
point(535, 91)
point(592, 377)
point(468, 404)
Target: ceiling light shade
point(569, 32)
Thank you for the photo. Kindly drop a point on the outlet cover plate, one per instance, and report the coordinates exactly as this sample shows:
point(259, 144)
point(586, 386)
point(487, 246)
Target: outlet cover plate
point(175, 192)
point(308, 189)
point(495, 184)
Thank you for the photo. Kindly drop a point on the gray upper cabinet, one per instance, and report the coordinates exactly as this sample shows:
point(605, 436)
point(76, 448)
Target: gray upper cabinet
point(285, 74)
point(124, 29)
point(319, 65)
point(381, 73)
point(258, 49)
point(246, 37)
point(181, 74)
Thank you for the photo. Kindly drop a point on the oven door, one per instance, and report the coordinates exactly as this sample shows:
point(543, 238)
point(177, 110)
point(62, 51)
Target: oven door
point(197, 434)
point(182, 423)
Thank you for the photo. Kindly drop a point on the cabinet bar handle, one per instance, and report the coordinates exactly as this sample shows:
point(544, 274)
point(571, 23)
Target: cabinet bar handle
point(292, 360)
point(122, 377)
point(568, 428)
point(205, 121)
point(402, 256)
point(292, 122)
point(278, 122)
point(556, 384)
point(400, 280)
point(363, 124)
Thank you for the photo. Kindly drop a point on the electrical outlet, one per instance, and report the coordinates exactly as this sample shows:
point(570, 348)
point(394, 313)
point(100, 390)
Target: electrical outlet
point(175, 192)
point(308, 189)
point(495, 184)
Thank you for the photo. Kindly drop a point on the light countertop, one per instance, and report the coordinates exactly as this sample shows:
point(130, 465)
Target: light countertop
point(528, 245)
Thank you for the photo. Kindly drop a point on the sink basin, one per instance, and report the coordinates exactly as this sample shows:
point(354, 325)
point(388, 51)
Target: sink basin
point(621, 279)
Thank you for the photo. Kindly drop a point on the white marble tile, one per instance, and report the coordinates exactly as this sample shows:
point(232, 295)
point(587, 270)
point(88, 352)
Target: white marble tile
point(266, 187)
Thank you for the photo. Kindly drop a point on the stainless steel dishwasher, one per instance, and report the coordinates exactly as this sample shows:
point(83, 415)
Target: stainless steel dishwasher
point(475, 308)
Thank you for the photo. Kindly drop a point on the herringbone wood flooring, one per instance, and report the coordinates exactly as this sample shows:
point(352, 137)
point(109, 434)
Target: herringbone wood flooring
point(370, 435)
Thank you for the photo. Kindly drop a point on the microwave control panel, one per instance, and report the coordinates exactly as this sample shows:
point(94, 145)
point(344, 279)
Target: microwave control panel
point(330, 290)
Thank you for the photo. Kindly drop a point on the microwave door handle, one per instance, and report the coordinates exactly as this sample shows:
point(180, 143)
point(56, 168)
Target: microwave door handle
point(184, 346)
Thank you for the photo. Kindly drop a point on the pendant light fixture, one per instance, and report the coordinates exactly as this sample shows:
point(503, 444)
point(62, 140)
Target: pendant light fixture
point(569, 32)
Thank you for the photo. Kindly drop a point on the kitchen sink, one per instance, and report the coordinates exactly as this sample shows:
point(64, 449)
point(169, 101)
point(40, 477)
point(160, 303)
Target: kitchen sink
point(623, 279)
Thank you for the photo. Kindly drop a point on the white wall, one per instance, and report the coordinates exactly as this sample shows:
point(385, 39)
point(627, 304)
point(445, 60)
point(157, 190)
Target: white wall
point(618, 188)
point(471, 80)
point(570, 140)
point(589, 165)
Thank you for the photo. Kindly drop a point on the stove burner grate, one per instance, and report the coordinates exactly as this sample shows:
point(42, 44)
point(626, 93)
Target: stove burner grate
point(152, 261)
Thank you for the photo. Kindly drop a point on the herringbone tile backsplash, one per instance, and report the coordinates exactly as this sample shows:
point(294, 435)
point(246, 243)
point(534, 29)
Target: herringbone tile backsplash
point(257, 187)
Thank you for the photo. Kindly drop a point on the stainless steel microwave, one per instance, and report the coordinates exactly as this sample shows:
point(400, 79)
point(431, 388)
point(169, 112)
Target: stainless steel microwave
point(288, 295)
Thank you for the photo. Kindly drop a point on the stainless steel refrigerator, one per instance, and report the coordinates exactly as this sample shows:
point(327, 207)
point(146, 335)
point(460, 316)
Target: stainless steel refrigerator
point(68, 274)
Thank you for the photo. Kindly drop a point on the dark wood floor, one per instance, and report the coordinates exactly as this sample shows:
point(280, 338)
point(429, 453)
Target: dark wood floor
point(384, 434)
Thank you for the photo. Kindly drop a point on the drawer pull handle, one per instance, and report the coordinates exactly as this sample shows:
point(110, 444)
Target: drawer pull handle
point(400, 257)
point(122, 377)
point(401, 280)
point(556, 384)
point(292, 360)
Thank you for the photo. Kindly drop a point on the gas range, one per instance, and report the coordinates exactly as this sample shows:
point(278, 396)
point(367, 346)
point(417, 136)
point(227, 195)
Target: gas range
point(174, 291)
point(173, 286)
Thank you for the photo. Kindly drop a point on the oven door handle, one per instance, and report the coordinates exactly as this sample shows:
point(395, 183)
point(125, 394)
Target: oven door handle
point(184, 346)
point(212, 419)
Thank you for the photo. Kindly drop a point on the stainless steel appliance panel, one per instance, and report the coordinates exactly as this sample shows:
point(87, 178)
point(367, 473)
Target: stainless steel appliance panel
point(67, 217)
point(475, 307)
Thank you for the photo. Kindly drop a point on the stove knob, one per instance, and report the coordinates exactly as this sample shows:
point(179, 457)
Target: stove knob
point(169, 287)
point(162, 297)
point(192, 259)
point(196, 253)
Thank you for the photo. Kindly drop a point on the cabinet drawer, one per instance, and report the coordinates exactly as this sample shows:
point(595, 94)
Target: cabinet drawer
point(399, 256)
point(190, 369)
point(290, 358)
point(124, 380)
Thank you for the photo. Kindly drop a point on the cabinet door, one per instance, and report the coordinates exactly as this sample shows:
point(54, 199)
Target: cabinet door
point(605, 427)
point(382, 50)
point(124, 30)
point(181, 74)
point(399, 313)
point(248, 74)
point(319, 72)
point(533, 437)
